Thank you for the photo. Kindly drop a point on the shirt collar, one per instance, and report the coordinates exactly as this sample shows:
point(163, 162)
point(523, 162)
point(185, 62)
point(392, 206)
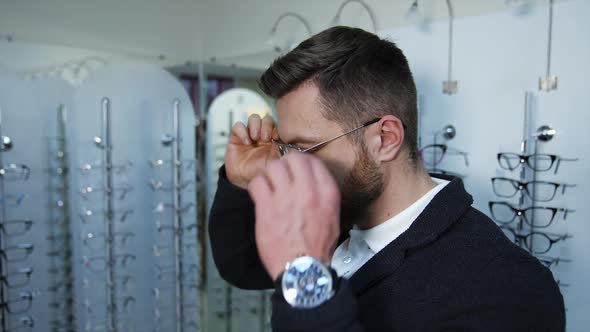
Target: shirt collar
point(381, 235)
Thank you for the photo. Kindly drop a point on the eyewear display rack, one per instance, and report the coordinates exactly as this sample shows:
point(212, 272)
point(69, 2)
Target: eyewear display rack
point(180, 248)
point(12, 306)
point(3, 269)
point(60, 270)
point(108, 218)
point(528, 196)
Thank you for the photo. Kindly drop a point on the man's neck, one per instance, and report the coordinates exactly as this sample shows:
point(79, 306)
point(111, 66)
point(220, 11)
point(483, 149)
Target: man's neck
point(400, 191)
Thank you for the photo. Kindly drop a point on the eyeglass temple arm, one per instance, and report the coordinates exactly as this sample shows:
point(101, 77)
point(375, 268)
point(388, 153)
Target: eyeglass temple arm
point(463, 153)
point(566, 211)
point(567, 185)
point(559, 160)
point(319, 145)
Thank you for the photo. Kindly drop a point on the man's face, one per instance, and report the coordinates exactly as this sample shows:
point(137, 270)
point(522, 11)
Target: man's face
point(301, 123)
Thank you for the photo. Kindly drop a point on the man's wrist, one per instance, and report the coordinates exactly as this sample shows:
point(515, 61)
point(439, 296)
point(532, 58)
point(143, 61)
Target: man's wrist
point(315, 274)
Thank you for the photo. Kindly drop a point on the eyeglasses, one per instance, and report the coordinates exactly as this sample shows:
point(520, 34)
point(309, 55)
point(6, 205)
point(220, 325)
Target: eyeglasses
point(543, 191)
point(87, 215)
point(163, 186)
point(61, 286)
point(99, 264)
point(552, 261)
point(284, 148)
point(537, 162)
point(162, 227)
point(161, 163)
point(505, 213)
point(162, 207)
point(121, 325)
point(543, 242)
point(97, 241)
point(126, 303)
point(561, 284)
point(12, 200)
point(19, 305)
point(89, 190)
point(167, 274)
point(25, 323)
point(17, 279)
point(61, 304)
point(97, 166)
point(124, 280)
point(17, 253)
point(434, 154)
point(169, 292)
point(15, 227)
point(15, 172)
point(166, 251)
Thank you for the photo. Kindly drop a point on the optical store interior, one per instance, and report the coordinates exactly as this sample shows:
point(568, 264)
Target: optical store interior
point(115, 116)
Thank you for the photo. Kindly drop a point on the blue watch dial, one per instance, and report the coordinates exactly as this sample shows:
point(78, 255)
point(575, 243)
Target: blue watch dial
point(307, 283)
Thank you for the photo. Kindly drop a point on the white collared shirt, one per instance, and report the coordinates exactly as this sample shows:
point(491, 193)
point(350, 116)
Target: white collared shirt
point(362, 245)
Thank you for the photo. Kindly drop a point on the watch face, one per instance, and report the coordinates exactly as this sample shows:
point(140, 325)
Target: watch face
point(307, 283)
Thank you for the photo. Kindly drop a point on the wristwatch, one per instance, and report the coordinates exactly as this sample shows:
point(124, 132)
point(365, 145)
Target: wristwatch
point(307, 282)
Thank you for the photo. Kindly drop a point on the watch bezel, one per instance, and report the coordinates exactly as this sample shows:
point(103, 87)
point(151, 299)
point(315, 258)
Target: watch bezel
point(293, 295)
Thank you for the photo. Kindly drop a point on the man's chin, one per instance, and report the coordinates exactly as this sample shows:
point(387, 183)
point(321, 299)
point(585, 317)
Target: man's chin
point(350, 215)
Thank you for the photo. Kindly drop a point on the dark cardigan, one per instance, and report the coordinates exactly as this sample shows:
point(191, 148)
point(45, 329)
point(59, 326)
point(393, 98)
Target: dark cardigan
point(452, 270)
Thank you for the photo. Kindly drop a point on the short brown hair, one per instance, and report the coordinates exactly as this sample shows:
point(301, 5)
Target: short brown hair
point(359, 76)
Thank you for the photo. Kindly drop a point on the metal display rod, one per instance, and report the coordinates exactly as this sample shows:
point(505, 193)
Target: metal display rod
point(3, 270)
point(177, 202)
point(108, 203)
point(523, 151)
point(449, 86)
point(549, 82)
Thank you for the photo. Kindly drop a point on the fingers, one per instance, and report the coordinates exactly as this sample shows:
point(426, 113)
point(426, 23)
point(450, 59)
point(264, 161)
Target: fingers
point(240, 133)
point(262, 130)
point(279, 175)
point(268, 124)
point(259, 189)
point(300, 166)
point(324, 180)
point(254, 126)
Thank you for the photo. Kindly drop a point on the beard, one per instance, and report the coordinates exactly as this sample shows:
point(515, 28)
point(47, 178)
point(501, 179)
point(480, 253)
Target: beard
point(360, 187)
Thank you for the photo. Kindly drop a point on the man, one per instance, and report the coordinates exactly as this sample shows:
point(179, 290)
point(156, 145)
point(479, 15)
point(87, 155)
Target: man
point(413, 254)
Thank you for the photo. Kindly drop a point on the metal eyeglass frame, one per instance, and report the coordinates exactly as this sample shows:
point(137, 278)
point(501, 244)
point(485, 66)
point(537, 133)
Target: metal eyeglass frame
point(284, 147)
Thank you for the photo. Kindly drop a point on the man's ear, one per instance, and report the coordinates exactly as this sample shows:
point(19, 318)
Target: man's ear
point(391, 138)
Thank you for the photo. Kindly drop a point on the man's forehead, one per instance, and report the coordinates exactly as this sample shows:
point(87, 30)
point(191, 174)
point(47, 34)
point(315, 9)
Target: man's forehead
point(299, 113)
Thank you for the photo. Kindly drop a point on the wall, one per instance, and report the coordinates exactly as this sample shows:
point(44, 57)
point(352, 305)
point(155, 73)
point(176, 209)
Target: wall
point(54, 32)
point(241, 28)
point(497, 58)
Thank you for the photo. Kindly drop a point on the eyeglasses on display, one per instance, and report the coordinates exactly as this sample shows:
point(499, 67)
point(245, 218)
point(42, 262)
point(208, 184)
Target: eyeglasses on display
point(15, 172)
point(541, 191)
point(434, 154)
point(543, 242)
point(537, 162)
point(505, 213)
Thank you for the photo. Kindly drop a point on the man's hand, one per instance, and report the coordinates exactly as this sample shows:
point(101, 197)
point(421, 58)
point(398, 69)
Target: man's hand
point(297, 205)
point(249, 149)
